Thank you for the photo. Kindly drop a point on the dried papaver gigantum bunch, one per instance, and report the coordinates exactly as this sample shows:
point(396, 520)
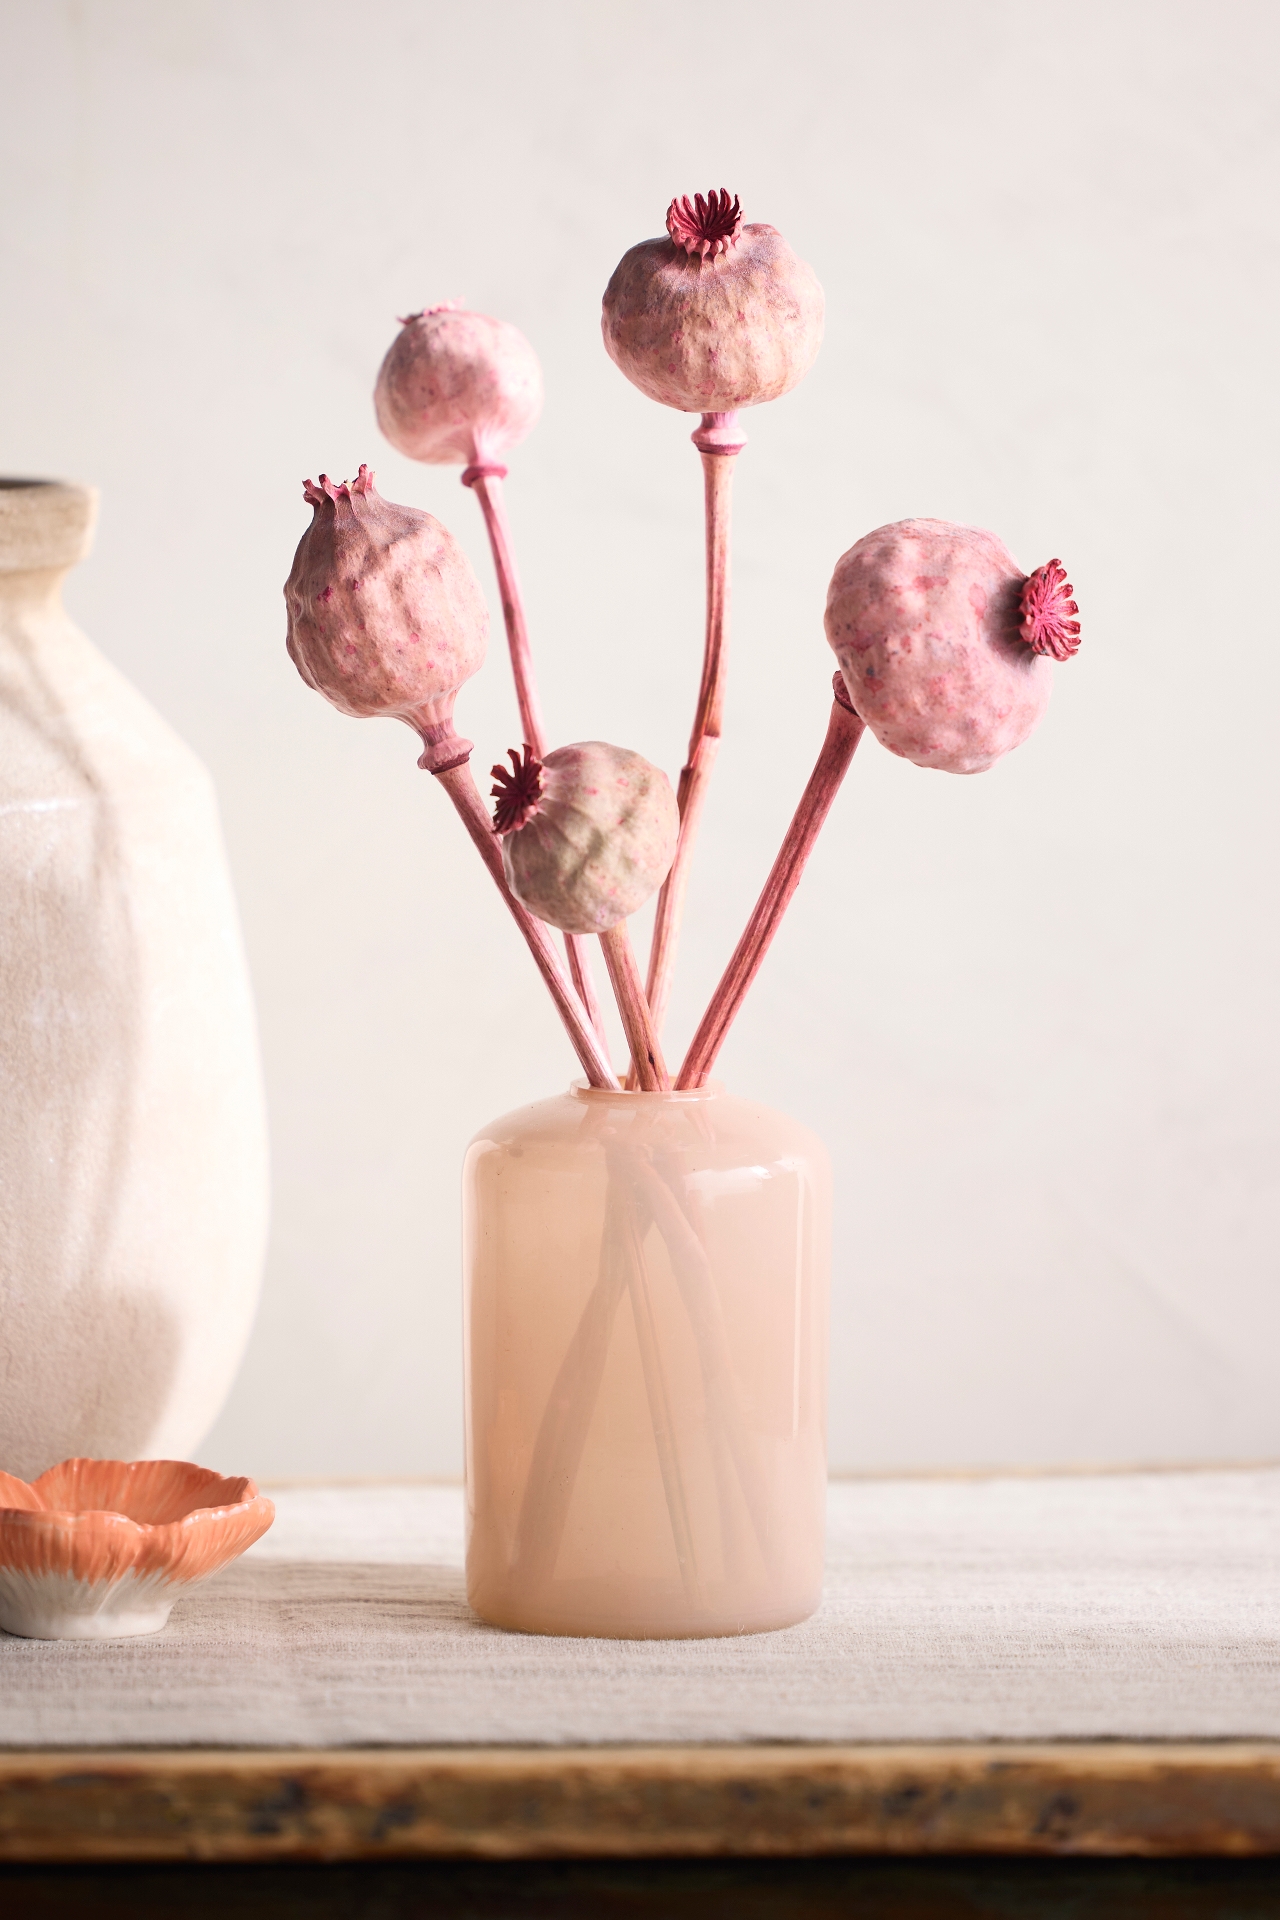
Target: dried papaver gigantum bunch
point(588, 835)
point(945, 644)
point(385, 614)
point(457, 388)
point(714, 315)
point(462, 389)
point(385, 617)
point(710, 317)
point(942, 643)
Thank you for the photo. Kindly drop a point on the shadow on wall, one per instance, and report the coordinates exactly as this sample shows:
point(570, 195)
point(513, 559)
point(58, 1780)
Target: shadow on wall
point(86, 1361)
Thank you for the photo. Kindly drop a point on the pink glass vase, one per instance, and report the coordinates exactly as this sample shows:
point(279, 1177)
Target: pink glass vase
point(646, 1363)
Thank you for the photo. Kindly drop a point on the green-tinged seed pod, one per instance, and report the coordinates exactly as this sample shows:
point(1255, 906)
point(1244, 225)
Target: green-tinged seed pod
point(588, 834)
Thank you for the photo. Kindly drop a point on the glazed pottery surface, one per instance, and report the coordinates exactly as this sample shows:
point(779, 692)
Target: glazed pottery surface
point(133, 1142)
point(646, 1350)
point(101, 1549)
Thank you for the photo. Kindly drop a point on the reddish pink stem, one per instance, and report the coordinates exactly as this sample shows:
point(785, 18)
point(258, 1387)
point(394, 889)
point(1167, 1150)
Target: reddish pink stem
point(719, 440)
point(575, 947)
point(486, 483)
point(642, 1037)
point(844, 730)
point(459, 782)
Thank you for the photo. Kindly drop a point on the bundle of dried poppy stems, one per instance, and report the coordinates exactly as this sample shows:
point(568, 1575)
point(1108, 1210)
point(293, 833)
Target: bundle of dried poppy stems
point(944, 644)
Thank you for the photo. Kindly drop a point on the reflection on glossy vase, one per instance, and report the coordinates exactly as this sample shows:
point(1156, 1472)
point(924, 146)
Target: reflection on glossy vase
point(646, 1358)
point(132, 1134)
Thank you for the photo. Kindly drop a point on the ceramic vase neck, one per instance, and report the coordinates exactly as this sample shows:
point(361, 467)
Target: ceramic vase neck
point(46, 528)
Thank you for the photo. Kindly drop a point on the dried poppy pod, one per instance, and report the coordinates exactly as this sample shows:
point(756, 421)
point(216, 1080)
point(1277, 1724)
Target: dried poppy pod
point(587, 834)
point(943, 641)
point(385, 614)
point(457, 389)
point(714, 316)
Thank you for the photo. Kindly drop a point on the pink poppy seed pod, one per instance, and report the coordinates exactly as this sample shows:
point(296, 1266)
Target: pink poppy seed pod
point(457, 389)
point(943, 641)
point(714, 316)
point(385, 614)
point(588, 834)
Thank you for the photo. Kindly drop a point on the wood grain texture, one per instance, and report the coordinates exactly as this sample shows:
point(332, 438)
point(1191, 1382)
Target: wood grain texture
point(631, 1802)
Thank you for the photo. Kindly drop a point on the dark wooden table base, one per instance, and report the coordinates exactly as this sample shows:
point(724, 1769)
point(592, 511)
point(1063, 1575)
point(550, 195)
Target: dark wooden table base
point(636, 1802)
point(853, 1889)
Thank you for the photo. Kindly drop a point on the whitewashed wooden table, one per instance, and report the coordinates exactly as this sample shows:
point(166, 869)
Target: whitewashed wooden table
point(1051, 1663)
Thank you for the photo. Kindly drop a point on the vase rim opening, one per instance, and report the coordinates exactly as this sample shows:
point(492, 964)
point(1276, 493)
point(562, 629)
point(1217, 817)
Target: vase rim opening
point(681, 1095)
point(45, 525)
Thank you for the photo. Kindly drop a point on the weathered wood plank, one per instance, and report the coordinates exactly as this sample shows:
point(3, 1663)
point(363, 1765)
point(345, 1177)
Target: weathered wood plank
point(495, 1803)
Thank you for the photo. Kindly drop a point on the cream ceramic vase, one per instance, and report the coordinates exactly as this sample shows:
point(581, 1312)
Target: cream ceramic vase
point(132, 1132)
point(646, 1357)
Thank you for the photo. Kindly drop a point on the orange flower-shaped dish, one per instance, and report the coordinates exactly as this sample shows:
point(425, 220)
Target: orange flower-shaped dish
point(97, 1549)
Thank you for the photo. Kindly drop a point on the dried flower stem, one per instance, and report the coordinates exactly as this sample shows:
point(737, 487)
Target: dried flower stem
point(566, 1418)
point(658, 1393)
point(459, 782)
point(719, 440)
point(575, 947)
point(692, 1273)
point(486, 483)
point(642, 1037)
point(844, 730)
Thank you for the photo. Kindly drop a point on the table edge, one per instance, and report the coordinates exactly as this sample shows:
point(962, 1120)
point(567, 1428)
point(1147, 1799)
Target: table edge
point(1149, 1798)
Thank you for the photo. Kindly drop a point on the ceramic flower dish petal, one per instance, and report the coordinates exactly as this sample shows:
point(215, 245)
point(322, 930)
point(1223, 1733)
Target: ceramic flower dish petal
point(97, 1549)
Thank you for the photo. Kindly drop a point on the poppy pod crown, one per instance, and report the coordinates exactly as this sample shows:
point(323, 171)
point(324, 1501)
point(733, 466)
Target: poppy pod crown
point(706, 227)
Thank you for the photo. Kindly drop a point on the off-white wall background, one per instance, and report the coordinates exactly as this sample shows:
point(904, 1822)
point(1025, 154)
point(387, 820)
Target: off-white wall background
point(1033, 1013)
